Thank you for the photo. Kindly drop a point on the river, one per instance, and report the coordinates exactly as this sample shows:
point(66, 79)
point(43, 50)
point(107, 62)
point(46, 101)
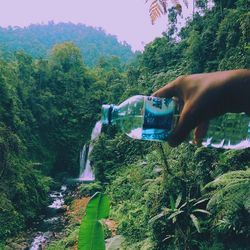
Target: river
point(53, 222)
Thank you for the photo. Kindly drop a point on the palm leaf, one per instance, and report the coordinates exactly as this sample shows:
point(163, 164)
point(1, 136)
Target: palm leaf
point(159, 7)
point(195, 222)
point(199, 202)
point(168, 237)
point(155, 11)
point(156, 217)
point(201, 211)
point(183, 205)
point(178, 200)
point(174, 215)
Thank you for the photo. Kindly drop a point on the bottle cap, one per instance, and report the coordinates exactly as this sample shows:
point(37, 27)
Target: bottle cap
point(106, 113)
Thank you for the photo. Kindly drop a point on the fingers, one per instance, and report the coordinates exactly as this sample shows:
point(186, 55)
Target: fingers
point(169, 90)
point(189, 116)
point(200, 132)
point(188, 121)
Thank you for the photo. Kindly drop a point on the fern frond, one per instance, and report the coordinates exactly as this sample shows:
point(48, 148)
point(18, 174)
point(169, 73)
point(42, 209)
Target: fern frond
point(159, 7)
point(229, 178)
point(155, 11)
point(229, 193)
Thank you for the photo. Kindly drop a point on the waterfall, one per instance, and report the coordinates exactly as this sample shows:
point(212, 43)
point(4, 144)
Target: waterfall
point(86, 173)
point(83, 158)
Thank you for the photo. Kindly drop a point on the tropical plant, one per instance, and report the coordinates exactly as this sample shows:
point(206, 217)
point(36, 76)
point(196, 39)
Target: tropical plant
point(159, 7)
point(89, 189)
point(91, 235)
point(182, 216)
point(230, 202)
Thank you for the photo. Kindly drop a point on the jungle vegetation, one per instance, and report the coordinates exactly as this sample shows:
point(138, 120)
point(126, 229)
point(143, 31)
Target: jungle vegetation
point(162, 198)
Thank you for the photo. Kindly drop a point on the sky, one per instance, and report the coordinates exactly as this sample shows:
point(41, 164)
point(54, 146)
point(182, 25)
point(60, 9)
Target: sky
point(129, 20)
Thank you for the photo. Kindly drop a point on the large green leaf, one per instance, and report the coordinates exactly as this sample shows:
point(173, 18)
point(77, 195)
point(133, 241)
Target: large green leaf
point(91, 236)
point(98, 207)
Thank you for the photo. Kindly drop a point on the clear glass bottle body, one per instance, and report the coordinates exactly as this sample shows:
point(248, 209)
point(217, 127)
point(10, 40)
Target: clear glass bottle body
point(229, 131)
point(143, 117)
point(154, 119)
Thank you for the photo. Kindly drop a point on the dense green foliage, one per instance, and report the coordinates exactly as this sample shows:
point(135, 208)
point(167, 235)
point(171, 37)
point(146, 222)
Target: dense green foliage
point(37, 40)
point(167, 198)
point(47, 111)
point(23, 189)
point(87, 190)
point(161, 198)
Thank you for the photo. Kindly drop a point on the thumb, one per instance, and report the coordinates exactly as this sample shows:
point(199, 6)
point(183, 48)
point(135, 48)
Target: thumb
point(168, 91)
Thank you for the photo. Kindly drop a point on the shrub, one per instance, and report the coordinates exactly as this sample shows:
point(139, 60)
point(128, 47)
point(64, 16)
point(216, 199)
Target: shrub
point(88, 189)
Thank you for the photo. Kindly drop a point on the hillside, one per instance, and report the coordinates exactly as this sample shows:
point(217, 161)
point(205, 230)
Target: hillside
point(38, 39)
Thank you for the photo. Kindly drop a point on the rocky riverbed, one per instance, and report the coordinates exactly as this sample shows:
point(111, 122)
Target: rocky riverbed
point(48, 227)
point(53, 223)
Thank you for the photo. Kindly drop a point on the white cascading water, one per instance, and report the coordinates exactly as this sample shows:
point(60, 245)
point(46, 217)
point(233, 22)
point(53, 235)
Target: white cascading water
point(83, 158)
point(86, 172)
point(48, 226)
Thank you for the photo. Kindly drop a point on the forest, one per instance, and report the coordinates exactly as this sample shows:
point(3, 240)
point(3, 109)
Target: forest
point(51, 93)
point(37, 40)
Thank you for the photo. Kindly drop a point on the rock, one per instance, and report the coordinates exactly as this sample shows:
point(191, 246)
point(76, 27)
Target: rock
point(16, 246)
point(61, 210)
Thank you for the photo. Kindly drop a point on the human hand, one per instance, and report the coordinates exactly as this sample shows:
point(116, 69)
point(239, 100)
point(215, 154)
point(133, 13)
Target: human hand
point(205, 96)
